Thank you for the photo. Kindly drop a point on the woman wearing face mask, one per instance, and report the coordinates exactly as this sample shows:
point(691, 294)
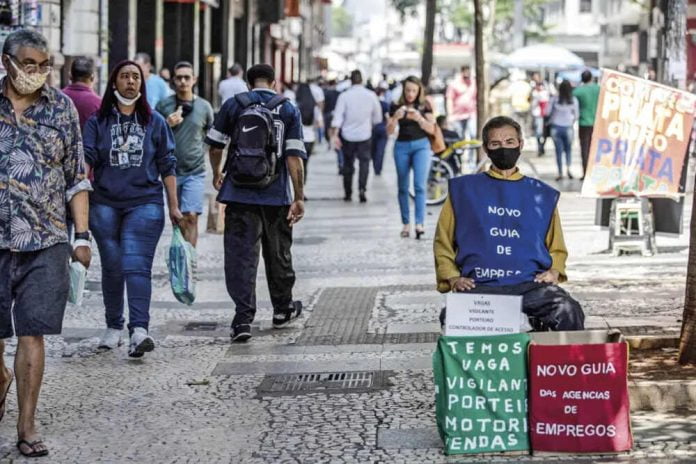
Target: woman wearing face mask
point(130, 150)
point(414, 118)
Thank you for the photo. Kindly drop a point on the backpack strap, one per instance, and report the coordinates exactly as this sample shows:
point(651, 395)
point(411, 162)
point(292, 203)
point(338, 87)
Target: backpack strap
point(275, 102)
point(244, 99)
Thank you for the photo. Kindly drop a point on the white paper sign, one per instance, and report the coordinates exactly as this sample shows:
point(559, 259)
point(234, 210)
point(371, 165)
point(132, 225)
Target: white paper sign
point(476, 314)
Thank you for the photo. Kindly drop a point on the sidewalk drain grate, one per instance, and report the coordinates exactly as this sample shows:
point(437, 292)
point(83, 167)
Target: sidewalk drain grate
point(323, 382)
point(200, 326)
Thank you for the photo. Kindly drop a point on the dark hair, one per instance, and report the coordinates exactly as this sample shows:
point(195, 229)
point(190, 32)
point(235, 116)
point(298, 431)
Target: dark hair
point(235, 69)
point(465, 67)
point(183, 64)
point(260, 72)
point(356, 77)
point(498, 122)
point(109, 101)
point(586, 76)
point(305, 101)
point(420, 98)
point(565, 93)
point(82, 69)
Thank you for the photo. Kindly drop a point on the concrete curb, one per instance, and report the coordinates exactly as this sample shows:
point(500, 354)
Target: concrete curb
point(652, 342)
point(663, 395)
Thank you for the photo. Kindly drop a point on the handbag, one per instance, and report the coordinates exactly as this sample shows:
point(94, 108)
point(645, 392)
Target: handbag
point(437, 140)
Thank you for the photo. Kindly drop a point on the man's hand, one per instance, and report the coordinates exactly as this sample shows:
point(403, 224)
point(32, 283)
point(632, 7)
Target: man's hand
point(462, 284)
point(175, 215)
point(549, 277)
point(82, 254)
point(296, 212)
point(175, 118)
point(217, 180)
point(336, 141)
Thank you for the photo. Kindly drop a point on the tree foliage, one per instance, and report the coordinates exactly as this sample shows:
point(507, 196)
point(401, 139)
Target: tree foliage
point(341, 22)
point(462, 16)
point(406, 7)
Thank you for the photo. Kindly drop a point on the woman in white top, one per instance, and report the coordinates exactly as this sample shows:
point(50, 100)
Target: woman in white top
point(564, 112)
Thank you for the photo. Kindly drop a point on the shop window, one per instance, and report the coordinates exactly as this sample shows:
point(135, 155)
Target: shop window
point(585, 6)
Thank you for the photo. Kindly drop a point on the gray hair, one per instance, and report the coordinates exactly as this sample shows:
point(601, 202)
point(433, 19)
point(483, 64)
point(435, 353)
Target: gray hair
point(24, 38)
point(144, 57)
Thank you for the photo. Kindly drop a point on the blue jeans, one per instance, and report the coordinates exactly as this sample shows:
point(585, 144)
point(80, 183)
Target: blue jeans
point(562, 138)
point(127, 239)
point(379, 143)
point(415, 155)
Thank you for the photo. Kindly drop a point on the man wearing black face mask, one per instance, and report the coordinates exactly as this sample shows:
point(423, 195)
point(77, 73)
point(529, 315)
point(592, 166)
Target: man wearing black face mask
point(190, 117)
point(499, 232)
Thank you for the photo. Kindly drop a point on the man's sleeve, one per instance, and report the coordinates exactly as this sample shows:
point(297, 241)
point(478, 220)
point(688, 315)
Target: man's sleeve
point(209, 118)
point(294, 144)
point(444, 249)
point(74, 161)
point(217, 136)
point(555, 243)
point(337, 120)
point(376, 111)
point(164, 155)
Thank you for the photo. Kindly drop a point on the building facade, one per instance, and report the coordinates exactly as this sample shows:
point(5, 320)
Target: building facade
point(211, 34)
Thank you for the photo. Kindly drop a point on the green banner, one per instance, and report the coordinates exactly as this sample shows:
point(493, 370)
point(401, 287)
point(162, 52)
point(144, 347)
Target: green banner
point(481, 393)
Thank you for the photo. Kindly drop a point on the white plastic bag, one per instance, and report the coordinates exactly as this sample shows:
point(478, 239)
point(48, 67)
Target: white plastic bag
point(78, 277)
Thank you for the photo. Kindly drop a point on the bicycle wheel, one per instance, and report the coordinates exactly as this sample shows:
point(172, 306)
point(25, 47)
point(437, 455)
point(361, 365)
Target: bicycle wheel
point(438, 182)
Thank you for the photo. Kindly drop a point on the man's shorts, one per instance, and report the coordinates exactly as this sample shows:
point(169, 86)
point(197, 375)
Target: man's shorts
point(34, 291)
point(191, 190)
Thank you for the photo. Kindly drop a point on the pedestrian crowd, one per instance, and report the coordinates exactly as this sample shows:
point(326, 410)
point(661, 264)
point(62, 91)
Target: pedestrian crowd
point(75, 166)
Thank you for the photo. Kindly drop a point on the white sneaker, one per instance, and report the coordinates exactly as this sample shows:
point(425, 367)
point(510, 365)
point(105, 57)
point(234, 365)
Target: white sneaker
point(140, 343)
point(111, 339)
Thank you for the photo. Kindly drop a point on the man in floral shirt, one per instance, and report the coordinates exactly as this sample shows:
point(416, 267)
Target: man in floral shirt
point(41, 172)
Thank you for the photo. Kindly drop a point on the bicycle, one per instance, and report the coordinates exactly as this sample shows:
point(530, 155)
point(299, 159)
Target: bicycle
point(459, 158)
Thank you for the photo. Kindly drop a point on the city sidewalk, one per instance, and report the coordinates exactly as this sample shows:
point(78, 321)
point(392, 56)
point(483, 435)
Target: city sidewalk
point(351, 381)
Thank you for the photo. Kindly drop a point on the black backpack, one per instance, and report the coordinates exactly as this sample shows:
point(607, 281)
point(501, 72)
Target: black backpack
point(252, 160)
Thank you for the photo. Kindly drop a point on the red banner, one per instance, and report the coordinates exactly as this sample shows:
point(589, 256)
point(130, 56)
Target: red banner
point(640, 137)
point(579, 398)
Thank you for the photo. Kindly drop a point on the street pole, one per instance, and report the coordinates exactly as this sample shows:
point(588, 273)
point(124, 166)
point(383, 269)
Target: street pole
point(481, 79)
point(427, 63)
point(159, 34)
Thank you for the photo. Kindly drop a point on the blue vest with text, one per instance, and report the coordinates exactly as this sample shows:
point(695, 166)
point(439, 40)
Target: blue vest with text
point(501, 227)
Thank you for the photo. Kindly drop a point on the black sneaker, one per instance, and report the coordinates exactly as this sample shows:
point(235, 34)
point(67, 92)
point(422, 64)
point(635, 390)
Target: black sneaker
point(363, 198)
point(241, 333)
point(347, 198)
point(282, 319)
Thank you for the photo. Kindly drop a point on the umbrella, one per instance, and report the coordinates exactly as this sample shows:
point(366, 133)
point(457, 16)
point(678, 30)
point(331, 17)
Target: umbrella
point(543, 56)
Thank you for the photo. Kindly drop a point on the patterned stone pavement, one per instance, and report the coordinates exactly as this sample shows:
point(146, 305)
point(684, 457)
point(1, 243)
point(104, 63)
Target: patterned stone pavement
point(371, 313)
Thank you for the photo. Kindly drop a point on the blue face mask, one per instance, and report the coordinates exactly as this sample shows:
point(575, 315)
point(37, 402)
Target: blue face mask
point(504, 158)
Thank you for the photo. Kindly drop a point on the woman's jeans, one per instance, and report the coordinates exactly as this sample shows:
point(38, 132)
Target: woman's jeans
point(562, 138)
point(127, 239)
point(414, 154)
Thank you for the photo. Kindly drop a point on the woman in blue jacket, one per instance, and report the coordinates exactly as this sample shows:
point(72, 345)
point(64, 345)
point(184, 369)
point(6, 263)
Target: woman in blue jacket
point(129, 149)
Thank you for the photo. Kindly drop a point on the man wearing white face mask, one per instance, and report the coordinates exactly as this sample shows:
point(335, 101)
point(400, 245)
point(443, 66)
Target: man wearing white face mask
point(41, 172)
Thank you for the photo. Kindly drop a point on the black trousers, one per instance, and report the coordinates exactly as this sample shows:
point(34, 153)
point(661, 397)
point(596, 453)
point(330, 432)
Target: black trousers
point(548, 303)
point(363, 152)
point(585, 135)
point(249, 230)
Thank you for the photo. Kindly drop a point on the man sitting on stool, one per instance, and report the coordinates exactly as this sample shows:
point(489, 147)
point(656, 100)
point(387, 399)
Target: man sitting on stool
point(499, 232)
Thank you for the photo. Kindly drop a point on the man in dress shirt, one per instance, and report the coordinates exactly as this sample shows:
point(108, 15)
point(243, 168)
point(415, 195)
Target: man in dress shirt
point(357, 111)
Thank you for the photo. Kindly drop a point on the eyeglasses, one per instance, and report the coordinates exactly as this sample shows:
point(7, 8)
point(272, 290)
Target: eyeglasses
point(31, 68)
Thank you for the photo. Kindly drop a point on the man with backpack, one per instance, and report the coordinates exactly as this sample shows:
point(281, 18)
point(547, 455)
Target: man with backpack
point(263, 133)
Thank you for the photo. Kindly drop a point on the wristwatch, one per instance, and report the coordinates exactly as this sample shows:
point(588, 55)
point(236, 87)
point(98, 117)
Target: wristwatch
point(83, 236)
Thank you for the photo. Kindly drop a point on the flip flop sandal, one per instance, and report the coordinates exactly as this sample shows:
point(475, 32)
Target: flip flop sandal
point(31, 445)
point(4, 398)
